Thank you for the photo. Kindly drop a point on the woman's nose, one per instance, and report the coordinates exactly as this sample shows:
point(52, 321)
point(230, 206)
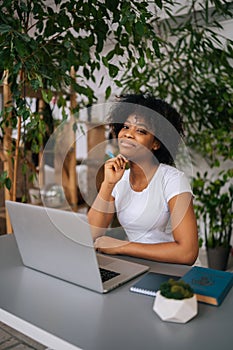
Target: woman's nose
point(129, 133)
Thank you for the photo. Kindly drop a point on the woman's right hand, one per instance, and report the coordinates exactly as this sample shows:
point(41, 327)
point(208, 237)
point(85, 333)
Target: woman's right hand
point(114, 169)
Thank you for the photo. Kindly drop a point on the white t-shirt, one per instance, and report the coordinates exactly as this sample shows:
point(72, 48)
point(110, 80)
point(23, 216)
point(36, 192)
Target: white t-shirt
point(145, 215)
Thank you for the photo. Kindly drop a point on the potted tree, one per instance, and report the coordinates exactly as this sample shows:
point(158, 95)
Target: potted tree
point(57, 49)
point(194, 73)
point(175, 301)
point(214, 208)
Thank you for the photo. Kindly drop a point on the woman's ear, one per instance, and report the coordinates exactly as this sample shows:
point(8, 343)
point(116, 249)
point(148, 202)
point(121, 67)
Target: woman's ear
point(156, 145)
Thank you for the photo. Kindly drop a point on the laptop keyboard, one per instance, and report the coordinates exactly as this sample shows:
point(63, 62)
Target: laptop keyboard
point(107, 274)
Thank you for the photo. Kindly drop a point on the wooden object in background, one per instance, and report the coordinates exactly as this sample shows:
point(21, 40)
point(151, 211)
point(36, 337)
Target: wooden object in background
point(7, 147)
point(72, 157)
point(65, 155)
point(96, 144)
point(41, 175)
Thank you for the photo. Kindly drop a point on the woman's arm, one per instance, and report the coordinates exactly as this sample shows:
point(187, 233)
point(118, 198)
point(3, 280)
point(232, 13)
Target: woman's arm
point(184, 249)
point(101, 213)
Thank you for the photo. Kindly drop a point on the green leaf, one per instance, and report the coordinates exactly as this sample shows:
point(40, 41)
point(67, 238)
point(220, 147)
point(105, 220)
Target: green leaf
point(159, 3)
point(141, 62)
point(5, 180)
point(47, 95)
point(4, 28)
point(108, 92)
point(118, 83)
point(156, 47)
point(112, 4)
point(139, 29)
point(8, 183)
point(25, 114)
point(113, 70)
point(124, 39)
point(20, 47)
point(110, 55)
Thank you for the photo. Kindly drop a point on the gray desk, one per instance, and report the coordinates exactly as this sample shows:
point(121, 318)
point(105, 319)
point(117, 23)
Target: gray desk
point(117, 320)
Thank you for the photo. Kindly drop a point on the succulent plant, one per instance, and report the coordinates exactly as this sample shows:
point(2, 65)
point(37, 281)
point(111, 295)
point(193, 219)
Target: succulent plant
point(176, 289)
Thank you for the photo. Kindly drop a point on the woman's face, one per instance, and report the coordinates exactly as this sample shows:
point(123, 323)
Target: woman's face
point(135, 138)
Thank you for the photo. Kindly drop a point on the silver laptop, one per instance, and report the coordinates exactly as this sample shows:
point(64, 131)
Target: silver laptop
point(59, 243)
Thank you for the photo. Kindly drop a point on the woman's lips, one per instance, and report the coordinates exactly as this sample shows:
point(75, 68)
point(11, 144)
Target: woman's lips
point(127, 144)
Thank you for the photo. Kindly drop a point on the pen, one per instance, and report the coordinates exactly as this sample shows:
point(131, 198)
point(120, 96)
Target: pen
point(110, 154)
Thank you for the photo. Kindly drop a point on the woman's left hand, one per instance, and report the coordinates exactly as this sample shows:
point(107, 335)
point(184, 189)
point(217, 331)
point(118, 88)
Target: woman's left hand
point(109, 245)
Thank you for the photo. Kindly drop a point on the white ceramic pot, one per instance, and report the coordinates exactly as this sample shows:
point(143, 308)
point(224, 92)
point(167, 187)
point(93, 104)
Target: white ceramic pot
point(173, 310)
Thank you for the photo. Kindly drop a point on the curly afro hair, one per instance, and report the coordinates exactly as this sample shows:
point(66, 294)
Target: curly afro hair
point(164, 122)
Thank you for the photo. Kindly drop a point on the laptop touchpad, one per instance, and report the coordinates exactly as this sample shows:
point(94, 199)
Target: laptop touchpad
point(103, 260)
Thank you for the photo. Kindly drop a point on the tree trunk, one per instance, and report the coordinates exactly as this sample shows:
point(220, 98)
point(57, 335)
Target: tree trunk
point(72, 164)
point(16, 161)
point(7, 147)
point(41, 174)
point(65, 155)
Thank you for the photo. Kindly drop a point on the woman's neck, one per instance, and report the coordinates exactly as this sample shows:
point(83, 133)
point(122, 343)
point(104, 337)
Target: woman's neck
point(140, 176)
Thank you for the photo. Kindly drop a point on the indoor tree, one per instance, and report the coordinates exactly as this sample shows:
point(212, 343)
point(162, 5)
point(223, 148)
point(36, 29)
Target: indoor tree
point(194, 72)
point(181, 56)
point(42, 41)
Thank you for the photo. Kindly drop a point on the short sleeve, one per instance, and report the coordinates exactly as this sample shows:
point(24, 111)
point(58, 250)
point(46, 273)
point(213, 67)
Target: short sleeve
point(176, 182)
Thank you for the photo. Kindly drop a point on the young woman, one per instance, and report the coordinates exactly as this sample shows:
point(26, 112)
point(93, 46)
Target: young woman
point(152, 199)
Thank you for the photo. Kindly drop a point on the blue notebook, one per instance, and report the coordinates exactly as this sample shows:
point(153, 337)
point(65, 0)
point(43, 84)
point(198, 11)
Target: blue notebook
point(150, 283)
point(210, 286)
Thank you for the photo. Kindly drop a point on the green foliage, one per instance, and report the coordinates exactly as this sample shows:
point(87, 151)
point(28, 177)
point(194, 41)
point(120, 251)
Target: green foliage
point(47, 39)
point(40, 41)
point(194, 72)
point(5, 180)
point(183, 58)
point(214, 207)
point(176, 289)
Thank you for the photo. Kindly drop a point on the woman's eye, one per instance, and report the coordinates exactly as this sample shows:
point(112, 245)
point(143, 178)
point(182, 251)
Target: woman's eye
point(142, 131)
point(125, 127)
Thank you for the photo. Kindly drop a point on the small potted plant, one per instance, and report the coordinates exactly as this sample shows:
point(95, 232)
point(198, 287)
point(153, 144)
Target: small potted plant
point(214, 210)
point(175, 301)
